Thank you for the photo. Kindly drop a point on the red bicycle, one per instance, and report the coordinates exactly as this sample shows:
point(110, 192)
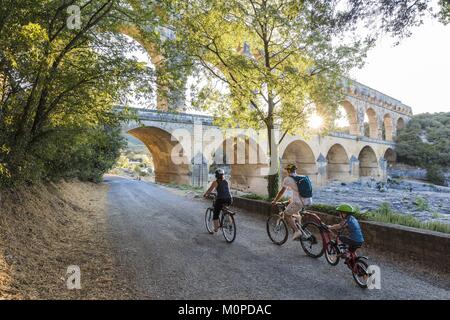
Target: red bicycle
point(335, 250)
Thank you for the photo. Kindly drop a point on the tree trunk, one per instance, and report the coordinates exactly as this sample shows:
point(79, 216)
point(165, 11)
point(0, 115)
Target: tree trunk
point(273, 178)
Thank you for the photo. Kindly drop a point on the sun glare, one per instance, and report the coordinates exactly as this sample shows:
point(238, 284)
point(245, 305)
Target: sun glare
point(315, 121)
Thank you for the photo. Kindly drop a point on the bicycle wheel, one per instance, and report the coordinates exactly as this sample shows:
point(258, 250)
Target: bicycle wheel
point(331, 253)
point(361, 276)
point(209, 220)
point(312, 240)
point(277, 229)
point(228, 227)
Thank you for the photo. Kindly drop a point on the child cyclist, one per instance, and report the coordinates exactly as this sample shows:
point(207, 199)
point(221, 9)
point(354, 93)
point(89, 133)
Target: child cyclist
point(355, 238)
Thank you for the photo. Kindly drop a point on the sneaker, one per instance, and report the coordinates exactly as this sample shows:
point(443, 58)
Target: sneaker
point(297, 235)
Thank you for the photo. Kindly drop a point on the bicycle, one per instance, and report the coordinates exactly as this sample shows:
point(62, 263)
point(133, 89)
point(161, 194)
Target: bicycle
point(226, 221)
point(334, 251)
point(277, 229)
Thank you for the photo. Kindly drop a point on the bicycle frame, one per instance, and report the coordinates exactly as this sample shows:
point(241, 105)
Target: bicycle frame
point(349, 256)
point(312, 217)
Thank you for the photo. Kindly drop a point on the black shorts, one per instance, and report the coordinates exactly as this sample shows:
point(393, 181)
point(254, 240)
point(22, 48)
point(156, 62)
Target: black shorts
point(218, 205)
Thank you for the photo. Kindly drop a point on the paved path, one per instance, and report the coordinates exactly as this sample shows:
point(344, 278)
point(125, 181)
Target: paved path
point(163, 248)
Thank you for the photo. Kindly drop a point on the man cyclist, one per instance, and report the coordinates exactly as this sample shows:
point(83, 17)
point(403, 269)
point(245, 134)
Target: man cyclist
point(223, 198)
point(296, 202)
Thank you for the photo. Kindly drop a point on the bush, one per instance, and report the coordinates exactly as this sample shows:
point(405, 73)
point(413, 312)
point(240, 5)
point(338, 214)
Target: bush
point(425, 142)
point(435, 175)
point(254, 196)
point(421, 204)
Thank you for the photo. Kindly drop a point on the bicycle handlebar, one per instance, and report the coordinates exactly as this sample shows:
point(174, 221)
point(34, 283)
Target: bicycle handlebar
point(282, 205)
point(211, 196)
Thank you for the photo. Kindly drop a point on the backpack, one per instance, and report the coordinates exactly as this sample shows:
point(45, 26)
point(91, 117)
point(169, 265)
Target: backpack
point(304, 186)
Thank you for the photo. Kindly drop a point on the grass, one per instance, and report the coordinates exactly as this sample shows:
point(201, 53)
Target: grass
point(436, 215)
point(421, 204)
point(184, 187)
point(254, 196)
point(386, 215)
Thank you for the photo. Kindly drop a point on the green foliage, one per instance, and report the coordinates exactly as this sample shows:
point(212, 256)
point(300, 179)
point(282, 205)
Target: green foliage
point(425, 142)
point(263, 67)
point(386, 215)
point(436, 175)
point(436, 215)
point(254, 196)
point(444, 13)
point(59, 87)
point(185, 187)
point(421, 204)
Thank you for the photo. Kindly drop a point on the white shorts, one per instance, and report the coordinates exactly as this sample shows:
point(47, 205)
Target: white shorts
point(295, 207)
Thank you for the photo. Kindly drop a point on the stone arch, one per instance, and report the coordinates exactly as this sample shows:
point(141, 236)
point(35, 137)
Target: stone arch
point(352, 118)
point(400, 124)
point(243, 160)
point(372, 124)
point(390, 156)
point(301, 154)
point(161, 145)
point(388, 126)
point(164, 94)
point(368, 163)
point(338, 167)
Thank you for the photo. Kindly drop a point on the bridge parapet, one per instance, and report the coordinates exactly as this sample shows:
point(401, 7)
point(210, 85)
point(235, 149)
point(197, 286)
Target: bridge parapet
point(361, 91)
point(178, 117)
point(361, 138)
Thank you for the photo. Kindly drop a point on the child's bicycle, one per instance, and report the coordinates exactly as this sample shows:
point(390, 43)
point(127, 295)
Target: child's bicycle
point(335, 250)
point(226, 220)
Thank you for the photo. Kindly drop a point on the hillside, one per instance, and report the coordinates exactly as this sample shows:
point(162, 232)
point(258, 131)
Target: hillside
point(425, 142)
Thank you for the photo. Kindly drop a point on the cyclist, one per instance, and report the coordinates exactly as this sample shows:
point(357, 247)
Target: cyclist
point(296, 202)
point(223, 198)
point(355, 238)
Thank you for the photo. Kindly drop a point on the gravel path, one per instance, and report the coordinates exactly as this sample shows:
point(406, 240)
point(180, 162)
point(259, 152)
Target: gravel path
point(163, 250)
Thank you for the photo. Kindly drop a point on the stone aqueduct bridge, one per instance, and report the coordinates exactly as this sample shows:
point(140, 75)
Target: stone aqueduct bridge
point(338, 156)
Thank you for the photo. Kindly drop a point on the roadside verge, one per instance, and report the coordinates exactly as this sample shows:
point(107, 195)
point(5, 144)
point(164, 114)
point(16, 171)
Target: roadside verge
point(47, 228)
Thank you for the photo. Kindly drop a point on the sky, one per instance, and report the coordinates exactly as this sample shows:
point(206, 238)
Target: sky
point(416, 72)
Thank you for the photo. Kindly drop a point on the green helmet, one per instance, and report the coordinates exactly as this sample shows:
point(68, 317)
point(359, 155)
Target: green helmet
point(344, 207)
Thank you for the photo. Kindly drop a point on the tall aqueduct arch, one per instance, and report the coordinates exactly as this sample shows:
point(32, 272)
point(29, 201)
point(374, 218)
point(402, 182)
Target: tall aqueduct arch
point(338, 156)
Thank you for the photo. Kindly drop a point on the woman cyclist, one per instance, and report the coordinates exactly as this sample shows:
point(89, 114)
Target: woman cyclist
point(223, 198)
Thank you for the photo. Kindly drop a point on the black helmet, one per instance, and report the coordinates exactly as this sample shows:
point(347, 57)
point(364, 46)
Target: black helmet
point(219, 173)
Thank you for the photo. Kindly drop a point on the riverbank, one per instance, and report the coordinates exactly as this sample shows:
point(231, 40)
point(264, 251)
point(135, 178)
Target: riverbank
point(424, 201)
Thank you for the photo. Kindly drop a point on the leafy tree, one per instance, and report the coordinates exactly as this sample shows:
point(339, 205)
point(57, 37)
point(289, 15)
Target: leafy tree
point(58, 87)
point(444, 13)
point(279, 61)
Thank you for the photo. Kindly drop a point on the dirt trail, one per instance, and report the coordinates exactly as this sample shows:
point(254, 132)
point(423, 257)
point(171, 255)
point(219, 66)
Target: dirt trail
point(43, 230)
